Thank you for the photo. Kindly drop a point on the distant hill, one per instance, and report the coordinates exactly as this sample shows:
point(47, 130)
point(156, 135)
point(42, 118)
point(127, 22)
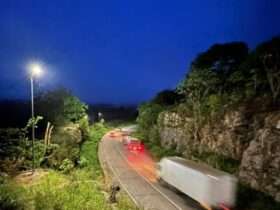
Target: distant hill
point(14, 113)
point(112, 112)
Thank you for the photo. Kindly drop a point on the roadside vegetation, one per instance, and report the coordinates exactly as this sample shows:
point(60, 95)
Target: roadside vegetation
point(67, 172)
point(220, 79)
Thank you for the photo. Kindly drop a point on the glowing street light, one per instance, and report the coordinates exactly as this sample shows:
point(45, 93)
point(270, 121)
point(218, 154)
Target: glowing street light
point(35, 71)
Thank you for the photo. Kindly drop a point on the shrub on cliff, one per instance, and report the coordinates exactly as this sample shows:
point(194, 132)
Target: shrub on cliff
point(148, 114)
point(167, 98)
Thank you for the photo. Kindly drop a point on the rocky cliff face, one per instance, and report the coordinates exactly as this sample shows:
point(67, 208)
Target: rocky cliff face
point(253, 139)
point(260, 166)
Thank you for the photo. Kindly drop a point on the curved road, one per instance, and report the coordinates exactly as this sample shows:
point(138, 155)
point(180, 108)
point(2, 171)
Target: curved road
point(136, 174)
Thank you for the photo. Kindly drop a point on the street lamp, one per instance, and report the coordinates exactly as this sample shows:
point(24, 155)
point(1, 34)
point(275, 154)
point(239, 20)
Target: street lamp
point(35, 70)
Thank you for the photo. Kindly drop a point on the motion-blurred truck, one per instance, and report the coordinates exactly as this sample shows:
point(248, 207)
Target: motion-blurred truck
point(212, 188)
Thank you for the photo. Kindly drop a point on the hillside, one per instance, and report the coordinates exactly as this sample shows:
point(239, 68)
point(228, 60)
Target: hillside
point(226, 113)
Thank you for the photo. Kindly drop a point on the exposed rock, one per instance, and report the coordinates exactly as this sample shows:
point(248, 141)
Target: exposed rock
point(260, 166)
point(252, 138)
point(172, 131)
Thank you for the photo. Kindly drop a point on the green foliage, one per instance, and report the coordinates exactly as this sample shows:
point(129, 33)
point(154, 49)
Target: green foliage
point(226, 74)
point(67, 147)
point(89, 148)
point(59, 107)
point(154, 137)
point(10, 196)
point(200, 90)
point(199, 83)
point(222, 57)
point(51, 105)
point(39, 152)
point(215, 103)
point(66, 166)
point(124, 202)
point(268, 54)
point(33, 121)
point(74, 191)
point(84, 127)
point(79, 188)
point(223, 78)
point(74, 109)
point(83, 162)
point(167, 98)
point(16, 149)
point(148, 114)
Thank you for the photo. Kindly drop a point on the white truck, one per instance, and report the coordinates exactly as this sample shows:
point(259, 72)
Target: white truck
point(210, 187)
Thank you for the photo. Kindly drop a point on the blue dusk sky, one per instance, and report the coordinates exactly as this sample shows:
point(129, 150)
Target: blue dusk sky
point(120, 51)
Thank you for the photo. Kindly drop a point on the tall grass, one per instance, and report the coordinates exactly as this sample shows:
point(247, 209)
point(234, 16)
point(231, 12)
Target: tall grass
point(89, 150)
point(81, 189)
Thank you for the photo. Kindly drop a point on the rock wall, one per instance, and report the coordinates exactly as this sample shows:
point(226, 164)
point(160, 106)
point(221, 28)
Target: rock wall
point(260, 166)
point(253, 139)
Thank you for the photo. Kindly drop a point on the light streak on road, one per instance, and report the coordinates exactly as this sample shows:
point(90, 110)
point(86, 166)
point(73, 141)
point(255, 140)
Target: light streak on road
point(143, 164)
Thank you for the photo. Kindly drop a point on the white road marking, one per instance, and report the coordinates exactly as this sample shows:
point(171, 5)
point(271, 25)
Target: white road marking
point(119, 180)
point(154, 187)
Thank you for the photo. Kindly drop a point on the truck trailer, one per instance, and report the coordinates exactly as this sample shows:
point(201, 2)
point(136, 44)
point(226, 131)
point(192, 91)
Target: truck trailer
point(210, 187)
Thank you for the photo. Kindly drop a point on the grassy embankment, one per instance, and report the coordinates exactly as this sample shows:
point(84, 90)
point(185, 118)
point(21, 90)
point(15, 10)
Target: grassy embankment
point(82, 188)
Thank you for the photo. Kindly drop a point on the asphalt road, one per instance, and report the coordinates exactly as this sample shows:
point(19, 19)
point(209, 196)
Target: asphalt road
point(136, 173)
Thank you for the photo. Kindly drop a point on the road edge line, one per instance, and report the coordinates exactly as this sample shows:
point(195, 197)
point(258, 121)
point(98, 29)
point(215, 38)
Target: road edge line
point(115, 174)
point(154, 187)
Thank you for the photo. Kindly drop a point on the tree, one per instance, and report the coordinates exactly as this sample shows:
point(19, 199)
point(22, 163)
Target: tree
point(59, 106)
point(148, 115)
point(74, 109)
point(197, 87)
point(167, 98)
point(223, 59)
point(269, 55)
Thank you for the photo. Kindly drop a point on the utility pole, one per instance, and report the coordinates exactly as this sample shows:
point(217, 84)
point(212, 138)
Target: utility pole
point(33, 121)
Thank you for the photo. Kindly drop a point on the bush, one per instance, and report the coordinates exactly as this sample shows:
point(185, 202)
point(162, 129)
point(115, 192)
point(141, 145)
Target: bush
point(26, 154)
point(10, 197)
point(154, 136)
point(68, 141)
point(16, 152)
point(148, 115)
point(89, 148)
point(83, 162)
point(50, 201)
point(167, 98)
point(74, 109)
point(66, 166)
point(74, 191)
point(84, 127)
point(53, 190)
point(60, 107)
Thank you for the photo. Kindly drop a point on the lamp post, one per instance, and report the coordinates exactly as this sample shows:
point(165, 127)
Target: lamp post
point(35, 71)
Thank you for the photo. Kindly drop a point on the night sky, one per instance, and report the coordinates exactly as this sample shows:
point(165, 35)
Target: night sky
point(121, 52)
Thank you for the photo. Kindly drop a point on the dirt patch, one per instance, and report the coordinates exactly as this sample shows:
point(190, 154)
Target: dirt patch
point(29, 177)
